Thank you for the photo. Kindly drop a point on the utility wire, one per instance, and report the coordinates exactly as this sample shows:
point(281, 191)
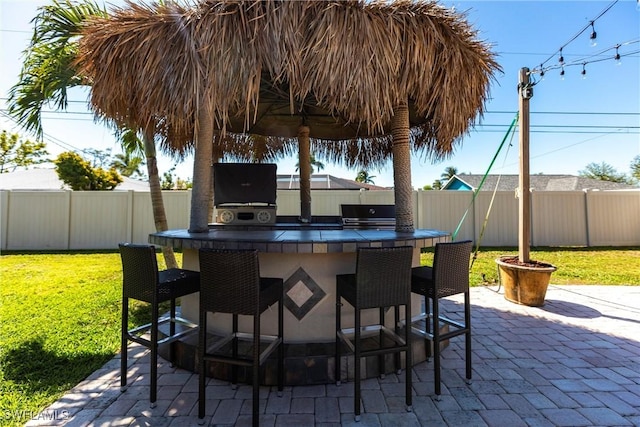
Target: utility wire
point(590, 113)
point(56, 141)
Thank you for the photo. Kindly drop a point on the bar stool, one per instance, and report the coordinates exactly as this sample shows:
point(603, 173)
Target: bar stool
point(230, 283)
point(448, 276)
point(142, 281)
point(382, 279)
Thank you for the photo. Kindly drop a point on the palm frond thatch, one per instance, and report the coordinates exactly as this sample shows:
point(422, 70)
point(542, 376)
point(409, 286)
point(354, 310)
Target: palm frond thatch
point(339, 67)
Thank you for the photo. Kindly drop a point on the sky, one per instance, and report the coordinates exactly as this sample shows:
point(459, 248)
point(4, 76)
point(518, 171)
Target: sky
point(575, 120)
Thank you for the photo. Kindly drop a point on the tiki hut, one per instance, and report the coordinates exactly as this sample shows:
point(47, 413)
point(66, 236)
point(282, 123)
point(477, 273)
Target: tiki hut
point(357, 82)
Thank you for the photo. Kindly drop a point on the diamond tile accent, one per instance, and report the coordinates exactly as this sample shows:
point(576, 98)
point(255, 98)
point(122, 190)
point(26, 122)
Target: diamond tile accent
point(301, 293)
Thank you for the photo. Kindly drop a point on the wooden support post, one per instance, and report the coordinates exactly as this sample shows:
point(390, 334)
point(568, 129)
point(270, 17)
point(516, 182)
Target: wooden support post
point(525, 91)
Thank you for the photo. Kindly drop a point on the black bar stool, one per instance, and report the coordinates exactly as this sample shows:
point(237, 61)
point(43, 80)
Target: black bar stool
point(142, 281)
point(382, 279)
point(448, 276)
point(230, 283)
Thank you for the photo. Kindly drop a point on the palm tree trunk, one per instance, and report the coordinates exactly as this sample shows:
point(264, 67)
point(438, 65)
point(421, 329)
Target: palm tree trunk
point(401, 151)
point(304, 162)
point(216, 157)
point(202, 176)
point(157, 204)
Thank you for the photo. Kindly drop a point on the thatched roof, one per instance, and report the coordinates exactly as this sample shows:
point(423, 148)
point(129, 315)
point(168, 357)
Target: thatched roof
point(339, 67)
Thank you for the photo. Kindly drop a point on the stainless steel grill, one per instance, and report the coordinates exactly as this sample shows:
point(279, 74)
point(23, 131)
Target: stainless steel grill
point(379, 217)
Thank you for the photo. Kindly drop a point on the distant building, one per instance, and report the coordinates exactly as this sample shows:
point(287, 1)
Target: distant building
point(467, 182)
point(47, 179)
point(324, 182)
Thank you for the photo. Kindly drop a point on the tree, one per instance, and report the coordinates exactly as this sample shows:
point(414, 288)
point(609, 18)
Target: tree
point(437, 184)
point(99, 158)
point(603, 172)
point(18, 153)
point(364, 177)
point(79, 175)
point(635, 168)
point(448, 173)
point(128, 164)
point(314, 163)
point(48, 72)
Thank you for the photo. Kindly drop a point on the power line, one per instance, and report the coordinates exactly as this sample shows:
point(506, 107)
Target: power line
point(56, 141)
point(571, 132)
point(569, 126)
point(590, 113)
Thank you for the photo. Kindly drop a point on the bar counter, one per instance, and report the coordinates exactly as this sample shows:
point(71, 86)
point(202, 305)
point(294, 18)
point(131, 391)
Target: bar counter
point(307, 257)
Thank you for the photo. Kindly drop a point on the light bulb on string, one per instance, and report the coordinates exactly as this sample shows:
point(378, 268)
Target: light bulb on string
point(541, 73)
point(561, 58)
point(584, 71)
point(562, 73)
point(617, 57)
point(638, 5)
point(593, 37)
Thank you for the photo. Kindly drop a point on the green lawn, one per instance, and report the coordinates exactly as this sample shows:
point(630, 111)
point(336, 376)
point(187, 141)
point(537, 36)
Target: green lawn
point(576, 266)
point(59, 320)
point(60, 313)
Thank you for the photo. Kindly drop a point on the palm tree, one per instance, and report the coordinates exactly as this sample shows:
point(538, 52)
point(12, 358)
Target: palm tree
point(128, 164)
point(313, 162)
point(448, 173)
point(401, 153)
point(364, 177)
point(48, 72)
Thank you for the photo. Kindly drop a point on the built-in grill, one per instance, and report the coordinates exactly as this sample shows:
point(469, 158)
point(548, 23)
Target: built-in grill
point(245, 193)
point(379, 217)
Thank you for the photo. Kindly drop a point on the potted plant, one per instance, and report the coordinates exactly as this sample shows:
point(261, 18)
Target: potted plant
point(525, 280)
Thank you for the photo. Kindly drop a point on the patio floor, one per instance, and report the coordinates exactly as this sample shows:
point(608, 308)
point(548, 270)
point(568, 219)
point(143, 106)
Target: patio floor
point(573, 362)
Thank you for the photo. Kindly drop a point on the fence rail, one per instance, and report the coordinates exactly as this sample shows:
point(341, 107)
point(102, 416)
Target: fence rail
point(74, 220)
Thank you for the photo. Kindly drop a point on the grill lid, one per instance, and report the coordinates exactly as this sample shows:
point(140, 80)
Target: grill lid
point(244, 183)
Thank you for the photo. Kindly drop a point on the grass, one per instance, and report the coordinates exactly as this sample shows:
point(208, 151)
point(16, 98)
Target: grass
point(60, 321)
point(576, 266)
point(60, 313)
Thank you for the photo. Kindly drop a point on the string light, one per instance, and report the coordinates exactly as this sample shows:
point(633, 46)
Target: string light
point(589, 24)
point(542, 70)
point(562, 73)
point(599, 56)
point(561, 59)
point(593, 37)
point(584, 71)
point(617, 57)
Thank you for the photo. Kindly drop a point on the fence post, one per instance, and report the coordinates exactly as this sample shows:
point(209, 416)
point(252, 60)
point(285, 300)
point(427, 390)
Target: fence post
point(586, 216)
point(69, 198)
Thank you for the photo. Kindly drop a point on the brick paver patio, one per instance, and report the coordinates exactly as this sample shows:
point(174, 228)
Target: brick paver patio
point(573, 362)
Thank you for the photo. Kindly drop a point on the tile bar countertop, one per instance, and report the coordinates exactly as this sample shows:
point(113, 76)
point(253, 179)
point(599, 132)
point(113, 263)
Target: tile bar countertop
point(290, 240)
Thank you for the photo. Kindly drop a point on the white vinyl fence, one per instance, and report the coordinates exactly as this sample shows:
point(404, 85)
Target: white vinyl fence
point(72, 220)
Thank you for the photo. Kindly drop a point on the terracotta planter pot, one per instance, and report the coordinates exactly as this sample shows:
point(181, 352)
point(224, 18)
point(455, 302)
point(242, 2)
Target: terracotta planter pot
point(525, 284)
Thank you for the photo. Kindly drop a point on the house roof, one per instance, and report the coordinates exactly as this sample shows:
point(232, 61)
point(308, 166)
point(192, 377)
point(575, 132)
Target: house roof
point(47, 179)
point(537, 182)
point(324, 182)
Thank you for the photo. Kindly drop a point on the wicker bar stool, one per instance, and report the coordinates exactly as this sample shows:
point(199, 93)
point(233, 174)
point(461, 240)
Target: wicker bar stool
point(448, 276)
point(230, 283)
point(382, 279)
point(142, 281)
